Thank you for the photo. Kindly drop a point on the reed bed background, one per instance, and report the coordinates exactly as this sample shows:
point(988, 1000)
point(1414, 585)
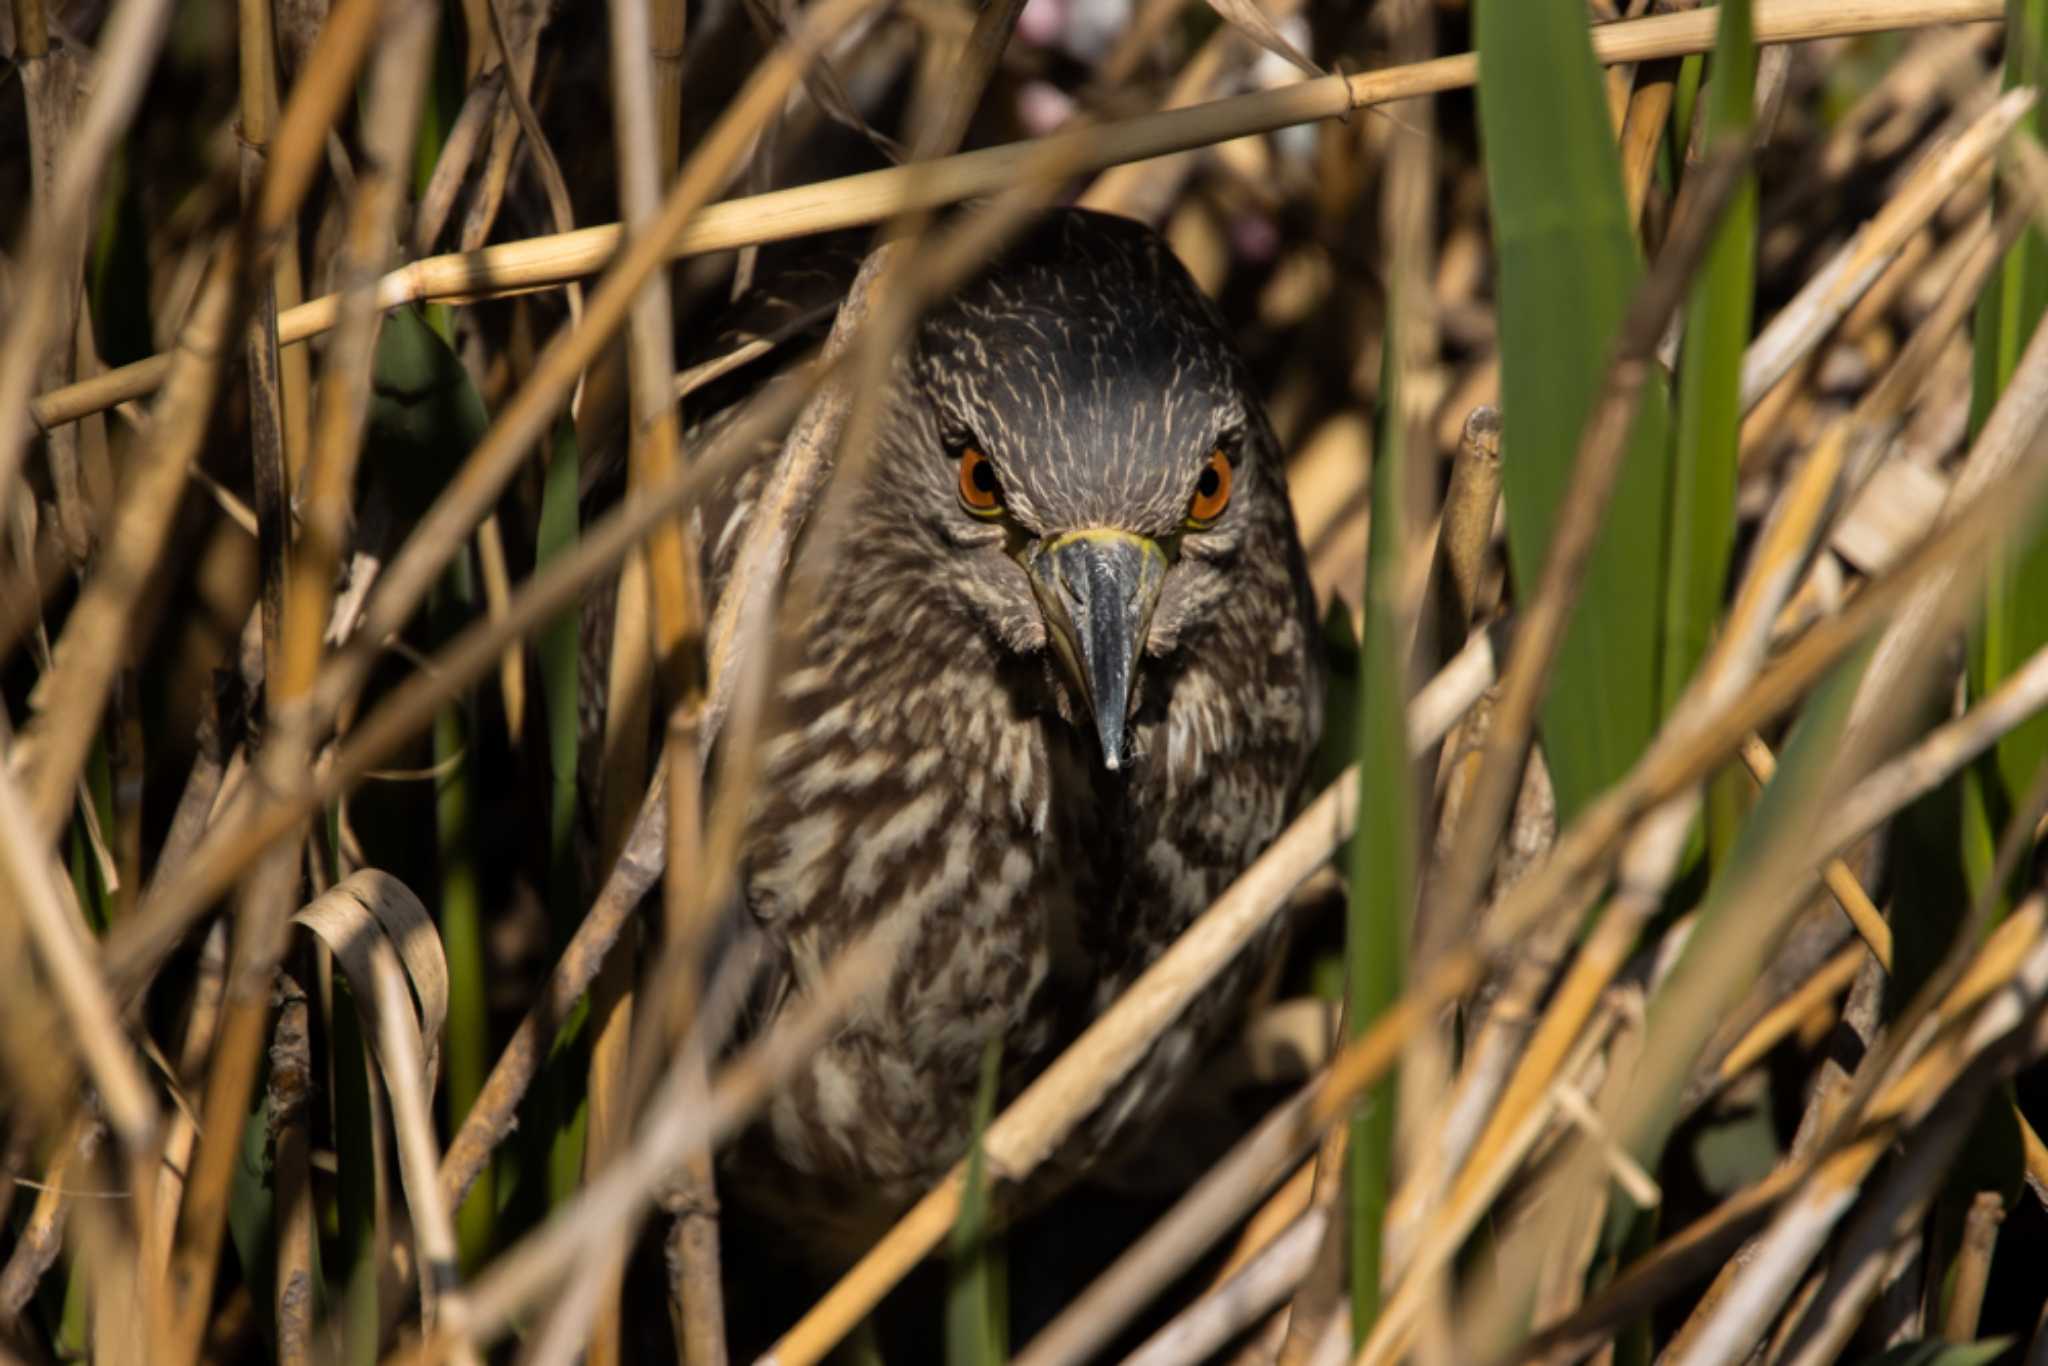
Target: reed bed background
point(1665, 410)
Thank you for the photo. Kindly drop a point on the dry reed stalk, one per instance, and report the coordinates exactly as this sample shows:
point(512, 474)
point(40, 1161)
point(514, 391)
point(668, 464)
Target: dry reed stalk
point(1869, 922)
point(526, 416)
point(1938, 755)
point(1450, 1225)
point(518, 72)
point(1778, 877)
point(665, 50)
point(657, 631)
point(134, 949)
point(677, 1122)
point(1675, 761)
point(1779, 1022)
point(397, 83)
point(1642, 132)
point(2015, 957)
point(1144, 189)
point(137, 946)
point(53, 747)
point(288, 1092)
point(1414, 346)
point(127, 49)
point(60, 941)
point(1323, 1295)
point(518, 55)
point(695, 1277)
point(1973, 1266)
point(490, 1117)
point(256, 46)
point(851, 201)
point(458, 150)
point(158, 1233)
point(53, 82)
point(1838, 1094)
point(1204, 1327)
point(1793, 528)
point(1827, 296)
point(141, 521)
point(41, 1235)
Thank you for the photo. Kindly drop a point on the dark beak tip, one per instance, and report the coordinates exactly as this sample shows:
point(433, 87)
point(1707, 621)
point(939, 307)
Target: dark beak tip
point(1105, 586)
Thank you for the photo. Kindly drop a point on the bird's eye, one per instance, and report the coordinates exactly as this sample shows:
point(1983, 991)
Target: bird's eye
point(1212, 492)
point(981, 493)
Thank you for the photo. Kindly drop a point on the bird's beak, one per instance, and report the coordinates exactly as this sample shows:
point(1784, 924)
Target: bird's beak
point(1097, 588)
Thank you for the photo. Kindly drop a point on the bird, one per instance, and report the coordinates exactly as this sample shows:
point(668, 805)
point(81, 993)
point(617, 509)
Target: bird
point(1059, 689)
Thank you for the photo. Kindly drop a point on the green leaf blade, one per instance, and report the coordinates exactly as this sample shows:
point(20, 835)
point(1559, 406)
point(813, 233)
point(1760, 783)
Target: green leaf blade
point(1568, 265)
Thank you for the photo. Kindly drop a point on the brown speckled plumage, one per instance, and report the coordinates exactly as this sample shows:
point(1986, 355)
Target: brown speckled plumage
point(933, 767)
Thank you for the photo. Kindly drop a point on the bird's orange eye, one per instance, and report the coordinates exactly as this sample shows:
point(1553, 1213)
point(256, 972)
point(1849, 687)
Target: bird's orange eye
point(980, 490)
point(1212, 491)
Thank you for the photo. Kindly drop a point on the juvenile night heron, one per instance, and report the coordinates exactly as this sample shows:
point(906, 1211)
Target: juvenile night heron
point(1058, 691)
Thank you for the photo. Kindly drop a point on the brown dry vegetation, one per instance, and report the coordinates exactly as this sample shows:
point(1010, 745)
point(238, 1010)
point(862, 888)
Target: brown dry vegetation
point(313, 1040)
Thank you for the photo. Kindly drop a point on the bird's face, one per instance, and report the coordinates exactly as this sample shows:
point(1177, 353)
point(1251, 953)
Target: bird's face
point(1090, 460)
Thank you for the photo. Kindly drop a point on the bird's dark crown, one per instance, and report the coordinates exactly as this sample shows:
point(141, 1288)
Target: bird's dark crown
point(1087, 364)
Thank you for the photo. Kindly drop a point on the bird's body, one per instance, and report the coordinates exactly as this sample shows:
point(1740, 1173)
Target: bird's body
point(1028, 742)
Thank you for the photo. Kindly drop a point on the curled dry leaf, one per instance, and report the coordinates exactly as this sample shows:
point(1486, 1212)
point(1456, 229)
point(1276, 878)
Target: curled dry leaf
point(367, 915)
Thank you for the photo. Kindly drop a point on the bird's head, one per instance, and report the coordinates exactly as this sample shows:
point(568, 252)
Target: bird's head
point(1090, 460)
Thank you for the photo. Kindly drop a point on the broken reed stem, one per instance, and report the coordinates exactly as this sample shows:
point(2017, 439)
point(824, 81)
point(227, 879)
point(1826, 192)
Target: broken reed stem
point(1465, 533)
point(1973, 1266)
point(851, 201)
point(269, 474)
